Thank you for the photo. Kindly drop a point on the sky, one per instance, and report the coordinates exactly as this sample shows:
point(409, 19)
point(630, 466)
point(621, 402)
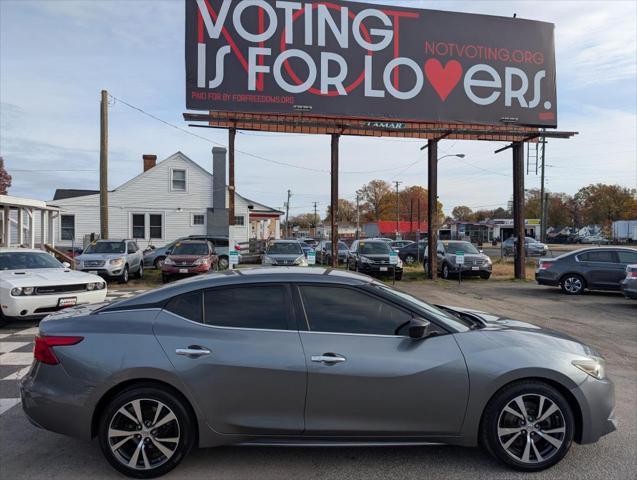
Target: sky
point(56, 56)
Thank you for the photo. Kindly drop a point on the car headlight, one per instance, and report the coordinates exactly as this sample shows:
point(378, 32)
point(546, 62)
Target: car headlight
point(90, 286)
point(200, 261)
point(28, 291)
point(488, 259)
point(268, 261)
point(17, 291)
point(301, 261)
point(168, 261)
point(365, 260)
point(100, 285)
point(117, 262)
point(595, 367)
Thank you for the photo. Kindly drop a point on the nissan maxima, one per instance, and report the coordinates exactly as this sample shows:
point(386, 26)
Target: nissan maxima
point(294, 356)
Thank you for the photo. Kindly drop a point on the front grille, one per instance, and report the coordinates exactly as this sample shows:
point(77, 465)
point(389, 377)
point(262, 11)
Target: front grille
point(380, 262)
point(477, 262)
point(81, 287)
point(94, 263)
point(47, 309)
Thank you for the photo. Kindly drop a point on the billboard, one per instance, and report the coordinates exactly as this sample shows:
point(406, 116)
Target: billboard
point(343, 59)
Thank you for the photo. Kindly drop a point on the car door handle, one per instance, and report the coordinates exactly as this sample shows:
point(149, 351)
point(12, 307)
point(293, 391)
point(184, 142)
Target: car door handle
point(193, 351)
point(328, 358)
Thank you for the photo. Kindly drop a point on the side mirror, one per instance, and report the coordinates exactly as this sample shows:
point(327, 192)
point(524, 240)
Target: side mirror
point(481, 251)
point(66, 264)
point(418, 328)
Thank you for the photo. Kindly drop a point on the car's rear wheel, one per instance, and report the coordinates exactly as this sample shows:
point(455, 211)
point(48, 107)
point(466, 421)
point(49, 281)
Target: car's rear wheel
point(528, 426)
point(410, 259)
point(224, 263)
point(159, 262)
point(573, 284)
point(145, 432)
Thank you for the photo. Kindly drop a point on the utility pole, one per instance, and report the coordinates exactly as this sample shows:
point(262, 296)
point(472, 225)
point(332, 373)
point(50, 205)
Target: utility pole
point(103, 165)
point(411, 214)
point(315, 219)
point(287, 215)
point(542, 195)
point(397, 208)
point(358, 216)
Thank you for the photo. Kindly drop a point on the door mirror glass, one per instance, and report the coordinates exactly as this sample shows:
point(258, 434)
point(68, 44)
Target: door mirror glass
point(418, 328)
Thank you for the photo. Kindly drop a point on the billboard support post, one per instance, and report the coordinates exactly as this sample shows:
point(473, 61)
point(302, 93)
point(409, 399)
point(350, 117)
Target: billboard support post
point(334, 200)
point(432, 209)
point(232, 134)
point(518, 209)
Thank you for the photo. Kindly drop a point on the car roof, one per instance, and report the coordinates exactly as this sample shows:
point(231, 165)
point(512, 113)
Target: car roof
point(158, 297)
point(285, 241)
point(20, 250)
point(194, 241)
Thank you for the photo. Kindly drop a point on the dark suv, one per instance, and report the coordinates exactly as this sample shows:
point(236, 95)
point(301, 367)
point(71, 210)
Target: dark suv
point(599, 268)
point(372, 257)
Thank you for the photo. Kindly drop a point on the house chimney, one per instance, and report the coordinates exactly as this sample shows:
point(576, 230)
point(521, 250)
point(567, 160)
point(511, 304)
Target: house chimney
point(149, 161)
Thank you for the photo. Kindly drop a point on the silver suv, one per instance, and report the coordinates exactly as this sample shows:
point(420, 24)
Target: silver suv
point(112, 259)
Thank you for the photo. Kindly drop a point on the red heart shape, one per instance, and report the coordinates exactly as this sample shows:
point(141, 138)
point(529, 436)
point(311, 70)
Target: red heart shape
point(444, 80)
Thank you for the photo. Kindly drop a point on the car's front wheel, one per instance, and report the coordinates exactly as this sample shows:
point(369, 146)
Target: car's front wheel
point(410, 259)
point(124, 276)
point(145, 432)
point(528, 425)
point(140, 272)
point(445, 271)
point(224, 263)
point(572, 284)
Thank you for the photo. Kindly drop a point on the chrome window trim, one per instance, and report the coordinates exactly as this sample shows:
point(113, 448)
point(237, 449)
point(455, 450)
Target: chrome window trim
point(217, 327)
point(129, 310)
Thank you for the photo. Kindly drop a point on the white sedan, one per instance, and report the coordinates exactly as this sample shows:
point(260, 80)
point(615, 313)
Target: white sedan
point(34, 284)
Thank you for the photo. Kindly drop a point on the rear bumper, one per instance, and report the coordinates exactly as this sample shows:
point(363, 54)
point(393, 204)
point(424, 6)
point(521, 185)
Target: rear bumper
point(629, 288)
point(544, 277)
point(176, 270)
point(371, 269)
point(56, 402)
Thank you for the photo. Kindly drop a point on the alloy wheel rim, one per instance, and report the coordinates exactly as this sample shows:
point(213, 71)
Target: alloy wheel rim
point(126, 274)
point(531, 428)
point(573, 284)
point(223, 263)
point(141, 270)
point(445, 271)
point(143, 434)
point(409, 259)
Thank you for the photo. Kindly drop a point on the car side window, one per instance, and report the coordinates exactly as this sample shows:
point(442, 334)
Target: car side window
point(131, 247)
point(605, 256)
point(346, 310)
point(627, 257)
point(251, 306)
point(188, 305)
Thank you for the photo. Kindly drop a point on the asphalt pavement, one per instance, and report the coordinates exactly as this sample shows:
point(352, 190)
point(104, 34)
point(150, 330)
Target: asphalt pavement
point(606, 321)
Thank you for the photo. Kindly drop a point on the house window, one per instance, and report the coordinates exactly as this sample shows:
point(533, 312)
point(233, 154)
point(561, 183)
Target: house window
point(178, 180)
point(67, 227)
point(198, 219)
point(139, 225)
point(239, 220)
point(155, 221)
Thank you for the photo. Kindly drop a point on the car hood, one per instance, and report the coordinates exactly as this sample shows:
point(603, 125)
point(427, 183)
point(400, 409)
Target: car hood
point(99, 256)
point(514, 332)
point(281, 257)
point(376, 257)
point(186, 258)
point(43, 277)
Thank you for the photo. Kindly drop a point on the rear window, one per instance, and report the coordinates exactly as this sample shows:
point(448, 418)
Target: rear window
point(190, 249)
point(605, 256)
point(188, 306)
point(627, 257)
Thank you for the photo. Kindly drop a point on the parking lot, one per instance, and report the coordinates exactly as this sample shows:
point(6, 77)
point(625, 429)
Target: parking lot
point(605, 321)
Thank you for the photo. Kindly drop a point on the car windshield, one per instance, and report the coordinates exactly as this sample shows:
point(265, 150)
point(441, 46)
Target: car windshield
point(464, 247)
point(374, 248)
point(106, 247)
point(284, 249)
point(27, 260)
point(190, 249)
point(425, 308)
point(342, 246)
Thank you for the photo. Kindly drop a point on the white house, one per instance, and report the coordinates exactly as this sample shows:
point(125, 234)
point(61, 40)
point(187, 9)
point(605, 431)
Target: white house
point(168, 200)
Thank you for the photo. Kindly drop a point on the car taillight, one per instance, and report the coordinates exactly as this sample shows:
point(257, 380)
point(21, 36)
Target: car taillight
point(631, 274)
point(545, 265)
point(43, 351)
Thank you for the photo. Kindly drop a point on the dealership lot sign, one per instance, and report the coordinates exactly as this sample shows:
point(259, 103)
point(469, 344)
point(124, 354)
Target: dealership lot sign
point(367, 61)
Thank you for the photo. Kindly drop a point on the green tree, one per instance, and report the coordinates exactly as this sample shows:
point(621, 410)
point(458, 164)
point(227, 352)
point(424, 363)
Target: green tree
point(462, 212)
point(376, 196)
point(603, 204)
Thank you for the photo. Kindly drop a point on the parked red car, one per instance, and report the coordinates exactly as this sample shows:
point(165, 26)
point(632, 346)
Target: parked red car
point(189, 257)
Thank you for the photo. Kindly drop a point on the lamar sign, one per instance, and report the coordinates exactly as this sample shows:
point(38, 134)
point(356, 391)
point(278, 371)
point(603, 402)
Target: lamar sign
point(343, 59)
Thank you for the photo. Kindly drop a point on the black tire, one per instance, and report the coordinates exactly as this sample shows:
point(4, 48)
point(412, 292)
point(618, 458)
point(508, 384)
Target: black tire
point(445, 271)
point(159, 261)
point(399, 276)
point(149, 396)
point(573, 284)
point(410, 259)
point(123, 278)
point(494, 416)
point(140, 272)
point(223, 263)
point(425, 267)
point(485, 276)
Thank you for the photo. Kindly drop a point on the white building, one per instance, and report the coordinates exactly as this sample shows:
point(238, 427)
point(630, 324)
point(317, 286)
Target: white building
point(168, 200)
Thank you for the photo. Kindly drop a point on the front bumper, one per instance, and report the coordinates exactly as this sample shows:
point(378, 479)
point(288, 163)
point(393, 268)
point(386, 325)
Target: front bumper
point(378, 269)
point(41, 305)
point(105, 272)
point(468, 269)
point(185, 270)
point(596, 400)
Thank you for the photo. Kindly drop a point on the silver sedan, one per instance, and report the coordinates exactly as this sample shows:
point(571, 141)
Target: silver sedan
point(294, 356)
